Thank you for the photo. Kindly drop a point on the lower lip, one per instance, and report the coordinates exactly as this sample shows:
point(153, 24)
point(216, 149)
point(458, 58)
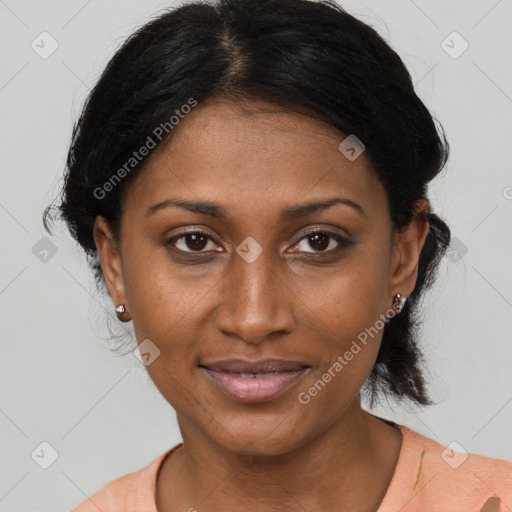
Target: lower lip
point(254, 390)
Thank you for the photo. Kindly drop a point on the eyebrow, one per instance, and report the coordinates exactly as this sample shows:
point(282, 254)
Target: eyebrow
point(218, 212)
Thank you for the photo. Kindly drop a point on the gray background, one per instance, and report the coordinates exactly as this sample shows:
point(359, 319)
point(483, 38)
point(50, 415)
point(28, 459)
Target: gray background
point(59, 383)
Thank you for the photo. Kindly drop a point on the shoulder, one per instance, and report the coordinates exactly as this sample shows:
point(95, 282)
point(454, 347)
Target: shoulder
point(134, 491)
point(446, 478)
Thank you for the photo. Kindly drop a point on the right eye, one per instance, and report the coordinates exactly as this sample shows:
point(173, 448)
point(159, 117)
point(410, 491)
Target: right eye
point(191, 241)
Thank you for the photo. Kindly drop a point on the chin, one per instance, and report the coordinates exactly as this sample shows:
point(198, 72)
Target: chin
point(275, 435)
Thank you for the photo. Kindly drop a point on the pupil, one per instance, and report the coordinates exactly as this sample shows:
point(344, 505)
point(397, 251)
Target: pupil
point(197, 241)
point(323, 240)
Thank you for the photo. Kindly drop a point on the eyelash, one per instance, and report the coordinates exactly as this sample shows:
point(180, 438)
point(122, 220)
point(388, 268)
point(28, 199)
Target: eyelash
point(342, 241)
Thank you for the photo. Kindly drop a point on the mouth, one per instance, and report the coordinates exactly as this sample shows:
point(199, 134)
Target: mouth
point(254, 381)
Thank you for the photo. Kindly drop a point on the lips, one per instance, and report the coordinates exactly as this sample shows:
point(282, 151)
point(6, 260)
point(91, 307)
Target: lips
point(261, 366)
point(254, 381)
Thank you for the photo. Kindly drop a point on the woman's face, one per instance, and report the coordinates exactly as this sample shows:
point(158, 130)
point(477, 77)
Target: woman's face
point(255, 283)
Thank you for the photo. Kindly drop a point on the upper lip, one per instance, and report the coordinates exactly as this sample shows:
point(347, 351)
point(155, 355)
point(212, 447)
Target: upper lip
point(257, 366)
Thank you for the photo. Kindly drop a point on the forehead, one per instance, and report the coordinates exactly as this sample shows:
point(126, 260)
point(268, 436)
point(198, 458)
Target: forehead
point(244, 154)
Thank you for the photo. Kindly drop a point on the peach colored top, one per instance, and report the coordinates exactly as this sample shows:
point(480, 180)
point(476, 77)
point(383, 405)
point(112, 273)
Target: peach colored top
point(428, 477)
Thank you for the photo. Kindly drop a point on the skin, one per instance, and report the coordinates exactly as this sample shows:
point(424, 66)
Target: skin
point(295, 301)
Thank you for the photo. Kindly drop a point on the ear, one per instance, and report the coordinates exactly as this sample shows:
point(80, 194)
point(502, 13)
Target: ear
point(407, 249)
point(111, 264)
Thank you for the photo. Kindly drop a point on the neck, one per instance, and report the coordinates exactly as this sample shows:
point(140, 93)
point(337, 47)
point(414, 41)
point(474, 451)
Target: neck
point(347, 467)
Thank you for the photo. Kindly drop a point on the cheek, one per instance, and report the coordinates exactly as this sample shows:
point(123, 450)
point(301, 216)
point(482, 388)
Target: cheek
point(162, 296)
point(346, 299)
point(346, 309)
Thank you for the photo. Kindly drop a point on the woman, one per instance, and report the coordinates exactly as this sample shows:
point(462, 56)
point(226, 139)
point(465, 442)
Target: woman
point(249, 181)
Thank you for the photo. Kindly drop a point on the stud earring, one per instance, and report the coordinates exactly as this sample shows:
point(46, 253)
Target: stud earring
point(398, 302)
point(120, 310)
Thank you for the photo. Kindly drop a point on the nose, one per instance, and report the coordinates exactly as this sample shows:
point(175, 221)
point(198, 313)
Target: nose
point(256, 303)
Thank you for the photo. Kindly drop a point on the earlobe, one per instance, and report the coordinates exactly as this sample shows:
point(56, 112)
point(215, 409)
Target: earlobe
point(111, 265)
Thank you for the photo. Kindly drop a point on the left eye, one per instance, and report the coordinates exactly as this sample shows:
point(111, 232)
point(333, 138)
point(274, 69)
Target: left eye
point(321, 241)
